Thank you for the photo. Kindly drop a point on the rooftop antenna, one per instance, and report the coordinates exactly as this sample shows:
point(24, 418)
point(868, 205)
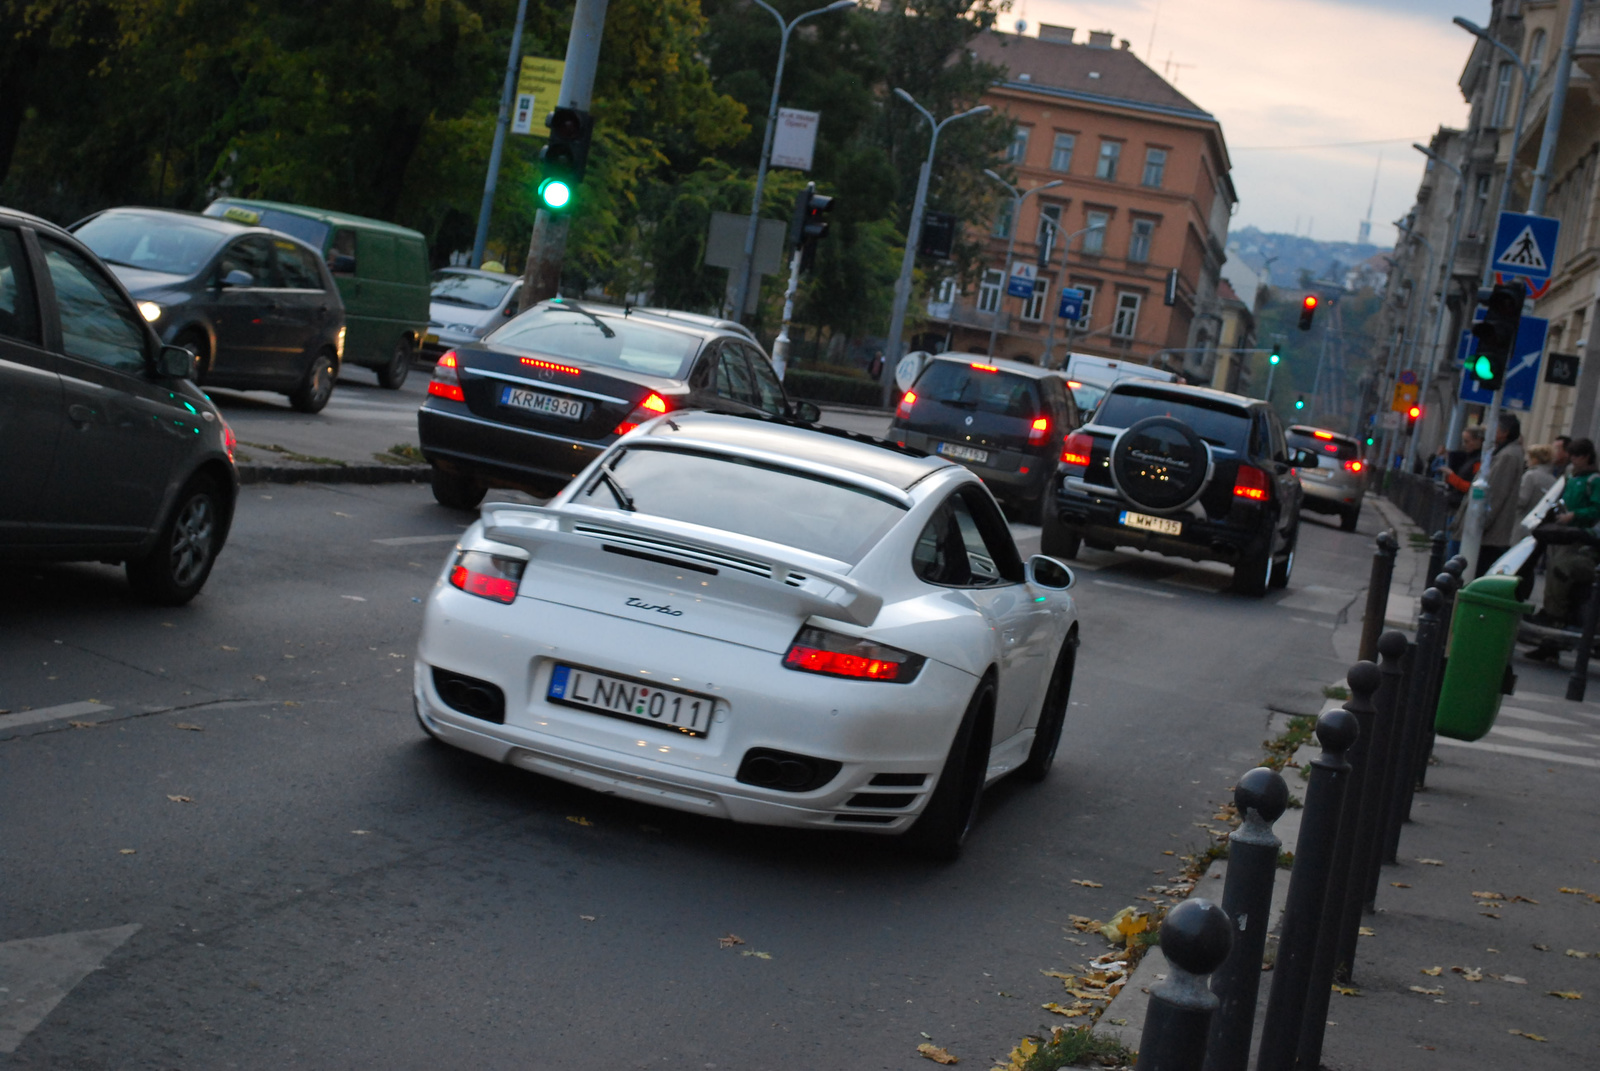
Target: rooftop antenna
point(1150, 49)
point(1366, 224)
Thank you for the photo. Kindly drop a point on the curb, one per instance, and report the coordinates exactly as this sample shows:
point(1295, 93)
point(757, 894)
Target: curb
point(333, 473)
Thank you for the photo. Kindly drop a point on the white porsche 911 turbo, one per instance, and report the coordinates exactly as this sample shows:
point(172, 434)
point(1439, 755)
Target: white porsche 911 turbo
point(760, 621)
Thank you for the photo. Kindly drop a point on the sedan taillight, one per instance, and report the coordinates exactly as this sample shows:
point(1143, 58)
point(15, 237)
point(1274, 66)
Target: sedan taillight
point(817, 650)
point(1077, 450)
point(653, 406)
point(488, 576)
point(446, 383)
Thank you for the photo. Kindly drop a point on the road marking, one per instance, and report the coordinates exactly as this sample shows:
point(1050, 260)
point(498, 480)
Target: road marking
point(1533, 715)
point(1131, 587)
point(39, 971)
point(1534, 736)
point(65, 710)
point(1525, 752)
point(411, 541)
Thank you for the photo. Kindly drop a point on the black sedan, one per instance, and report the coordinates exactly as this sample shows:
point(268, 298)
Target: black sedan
point(538, 399)
point(258, 309)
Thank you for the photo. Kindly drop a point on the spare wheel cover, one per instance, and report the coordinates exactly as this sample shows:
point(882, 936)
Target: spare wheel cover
point(1159, 463)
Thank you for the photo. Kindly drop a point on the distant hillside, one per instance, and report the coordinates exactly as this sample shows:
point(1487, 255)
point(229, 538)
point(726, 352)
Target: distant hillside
point(1294, 259)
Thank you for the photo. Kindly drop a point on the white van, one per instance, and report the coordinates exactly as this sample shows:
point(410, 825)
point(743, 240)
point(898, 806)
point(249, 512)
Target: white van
point(1090, 377)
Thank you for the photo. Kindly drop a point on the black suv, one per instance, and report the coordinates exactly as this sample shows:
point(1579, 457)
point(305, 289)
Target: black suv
point(1185, 471)
point(1004, 420)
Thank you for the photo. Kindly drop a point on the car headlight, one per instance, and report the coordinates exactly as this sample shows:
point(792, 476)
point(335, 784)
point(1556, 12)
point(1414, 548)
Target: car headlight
point(150, 311)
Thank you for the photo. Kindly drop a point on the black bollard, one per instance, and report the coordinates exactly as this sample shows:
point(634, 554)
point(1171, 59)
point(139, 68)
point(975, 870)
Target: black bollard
point(1392, 647)
point(1260, 798)
point(1436, 549)
point(1308, 886)
point(1378, 594)
point(1195, 937)
point(1448, 582)
point(1418, 713)
point(1578, 682)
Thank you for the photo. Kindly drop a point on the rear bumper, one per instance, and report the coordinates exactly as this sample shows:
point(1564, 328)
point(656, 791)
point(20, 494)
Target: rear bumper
point(1330, 497)
point(453, 438)
point(1011, 473)
point(1096, 517)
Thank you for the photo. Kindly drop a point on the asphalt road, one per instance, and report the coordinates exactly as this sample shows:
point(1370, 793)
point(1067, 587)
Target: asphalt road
point(329, 889)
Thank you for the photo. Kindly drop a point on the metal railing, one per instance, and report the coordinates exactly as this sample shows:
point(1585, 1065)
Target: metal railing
point(1425, 501)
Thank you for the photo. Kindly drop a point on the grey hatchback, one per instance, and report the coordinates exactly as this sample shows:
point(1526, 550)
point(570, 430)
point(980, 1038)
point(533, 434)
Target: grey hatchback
point(111, 453)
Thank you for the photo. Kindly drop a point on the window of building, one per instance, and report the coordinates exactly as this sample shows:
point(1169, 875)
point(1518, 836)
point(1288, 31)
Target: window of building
point(1017, 153)
point(1480, 205)
point(1082, 322)
point(1535, 55)
point(1502, 96)
point(1033, 308)
point(989, 290)
point(1106, 166)
point(1061, 153)
point(945, 294)
point(1139, 241)
point(1126, 324)
point(1094, 237)
point(1155, 166)
point(1002, 221)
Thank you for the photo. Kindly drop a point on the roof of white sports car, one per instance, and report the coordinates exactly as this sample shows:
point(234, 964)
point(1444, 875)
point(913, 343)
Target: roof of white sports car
point(857, 454)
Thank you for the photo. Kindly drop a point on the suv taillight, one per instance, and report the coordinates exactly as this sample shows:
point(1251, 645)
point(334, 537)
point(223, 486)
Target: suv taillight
point(903, 410)
point(1352, 466)
point(817, 650)
point(1039, 432)
point(1250, 483)
point(488, 576)
point(653, 406)
point(1077, 449)
point(446, 383)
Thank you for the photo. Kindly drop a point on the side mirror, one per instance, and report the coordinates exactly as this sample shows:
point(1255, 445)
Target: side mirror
point(237, 277)
point(807, 412)
point(1048, 573)
point(342, 264)
point(175, 362)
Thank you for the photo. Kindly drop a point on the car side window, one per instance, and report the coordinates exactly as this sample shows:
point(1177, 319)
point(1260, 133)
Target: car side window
point(1280, 447)
point(960, 547)
point(19, 313)
point(343, 245)
point(252, 255)
point(704, 373)
point(769, 392)
point(97, 323)
point(298, 267)
point(733, 375)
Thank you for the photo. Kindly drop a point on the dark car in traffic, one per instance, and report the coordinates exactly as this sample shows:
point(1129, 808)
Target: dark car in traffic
point(258, 309)
point(1185, 471)
point(536, 400)
point(110, 452)
point(1004, 420)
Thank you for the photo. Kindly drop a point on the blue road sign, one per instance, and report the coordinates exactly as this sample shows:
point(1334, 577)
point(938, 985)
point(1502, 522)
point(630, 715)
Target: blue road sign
point(1525, 246)
point(1071, 307)
point(1522, 371)
point(1020, 284)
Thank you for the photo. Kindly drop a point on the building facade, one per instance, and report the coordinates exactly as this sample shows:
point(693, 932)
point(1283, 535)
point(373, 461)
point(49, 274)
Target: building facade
point(1144, 189)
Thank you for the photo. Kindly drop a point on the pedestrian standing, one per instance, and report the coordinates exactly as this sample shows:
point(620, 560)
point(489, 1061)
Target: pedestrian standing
point(1459, 480)
point(1572, 567)
point(1500, 506)
point(1439, 464)
point(1558, 454)
point(1535, 482)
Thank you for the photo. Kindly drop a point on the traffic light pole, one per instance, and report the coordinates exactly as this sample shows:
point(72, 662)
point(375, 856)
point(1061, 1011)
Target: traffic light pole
point(547, 249)
point(481, 239)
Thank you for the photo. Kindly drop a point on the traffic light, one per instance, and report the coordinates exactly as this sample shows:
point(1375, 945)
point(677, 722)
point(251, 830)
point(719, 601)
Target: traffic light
point(563, 161)
point(809, 224)
point(1412, 416)
point(1308, 309)
point(1277, 353)
point(1300, 402)
point(1496, 334)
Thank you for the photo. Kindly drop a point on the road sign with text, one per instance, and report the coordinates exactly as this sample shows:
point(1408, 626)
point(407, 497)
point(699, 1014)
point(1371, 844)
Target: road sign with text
point(1022, 278)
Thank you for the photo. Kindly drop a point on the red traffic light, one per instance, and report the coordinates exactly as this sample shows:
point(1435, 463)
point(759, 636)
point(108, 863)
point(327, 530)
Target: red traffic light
point(1414, 412)
point(1308, 309)
point(1310, 303)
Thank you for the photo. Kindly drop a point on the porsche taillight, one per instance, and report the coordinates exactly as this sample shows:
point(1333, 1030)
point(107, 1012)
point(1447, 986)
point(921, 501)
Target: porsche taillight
point(653, 406)
point(1077, 450)
point(446, 383)
point(1250, 483)
point(488, 576)
point(817, 650)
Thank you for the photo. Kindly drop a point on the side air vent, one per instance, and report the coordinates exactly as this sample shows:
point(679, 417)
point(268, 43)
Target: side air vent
point(899, 780)
point(885, 801)
point(867, 819)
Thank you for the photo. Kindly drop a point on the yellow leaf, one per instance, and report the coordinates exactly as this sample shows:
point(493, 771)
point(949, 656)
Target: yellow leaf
point(1431, 862)
point(1073, 977)
point(1169, 853)
point(1133, 924)
point(126, 851)
point(1566, 994)
point(1366, 931)
point(1425, 991)
point(936, 1054)
point(1399, 885)
point(225, 647)
point(1575, 954)
point(180, 799)
point(1525, 1034)
point(1070, 1013)
point(1487, 896)
point(1471, 974)
point(1574, 892)
point(1433, 971)
point(757, 955)
point(579, 820)
point(1347, 990)
point(1087, 884)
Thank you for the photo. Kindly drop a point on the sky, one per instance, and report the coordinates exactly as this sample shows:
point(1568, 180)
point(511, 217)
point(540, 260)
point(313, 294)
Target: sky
point(1282, 75)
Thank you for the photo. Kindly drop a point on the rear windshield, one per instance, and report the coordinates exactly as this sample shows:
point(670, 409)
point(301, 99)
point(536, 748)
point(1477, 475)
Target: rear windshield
point(983, 387)
point(733, 494)
point(609, 341)
point(1342, 449)
point(166, 243)
point(1217, 423)
point(470, 291)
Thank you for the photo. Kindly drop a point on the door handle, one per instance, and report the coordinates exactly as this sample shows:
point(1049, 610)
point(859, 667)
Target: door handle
point(80, 414)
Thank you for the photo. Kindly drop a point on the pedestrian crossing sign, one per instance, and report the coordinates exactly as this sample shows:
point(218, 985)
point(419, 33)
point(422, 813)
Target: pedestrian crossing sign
point(1525, 247)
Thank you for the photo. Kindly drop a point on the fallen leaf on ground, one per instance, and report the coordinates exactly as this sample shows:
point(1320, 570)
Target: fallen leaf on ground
point(257, 677)
point(1525, 1034)
point(1570, 889)
point(729, 940)
point(1487, 896)
point(1488, 915)
point(1566, 994)
point(1070, 1013)
point(180, 799)
point(1522, 900)
point(1084, 994)
point(188, 726)
point(587, 918)
point(579, 820)
point(361, 832)
point(1433, 972)
point(1542, 948)
point(1431, 862)
point(225, 647)
point(1367, 931)
point(126, 851)
point(81, 724)
point(1471, 974)
point(1347, 990)
point(1061, 975)
point(1575, 954)
point(1021, 1055)
point(1425, 991)
point(757, 955)
point(1169, 853)
point(1513, 979)
point(1399, 885)
point(1087, 884)
point(290, 703)
point(1083, 923)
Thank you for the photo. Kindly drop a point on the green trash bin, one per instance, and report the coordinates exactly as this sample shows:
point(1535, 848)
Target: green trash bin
point(1483, 633)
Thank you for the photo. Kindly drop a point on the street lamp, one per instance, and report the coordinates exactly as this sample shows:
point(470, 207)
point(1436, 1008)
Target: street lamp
point(1066, 249)
point(1444, 288)
point(1017, 197)
point(747, 262)
point(902, 286)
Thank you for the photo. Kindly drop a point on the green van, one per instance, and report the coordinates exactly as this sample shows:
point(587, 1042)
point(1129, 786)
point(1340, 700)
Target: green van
point(381, 270)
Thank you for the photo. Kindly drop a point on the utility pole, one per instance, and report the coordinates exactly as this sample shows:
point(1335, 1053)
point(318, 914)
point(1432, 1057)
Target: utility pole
point(493, 178)
point(547, 249)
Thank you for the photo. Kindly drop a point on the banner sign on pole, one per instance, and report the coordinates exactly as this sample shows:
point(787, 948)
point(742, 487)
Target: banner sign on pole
point(1522, 370)
point(1525, 248)
point(1405, 396)
point(794, 139)
point(1021, 282)
point(1071, 307)
point(538, 87)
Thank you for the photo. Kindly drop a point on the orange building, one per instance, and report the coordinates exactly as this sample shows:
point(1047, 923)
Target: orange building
point(1138, 161)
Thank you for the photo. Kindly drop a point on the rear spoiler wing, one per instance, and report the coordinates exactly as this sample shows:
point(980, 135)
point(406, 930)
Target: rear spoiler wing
point(766, 577)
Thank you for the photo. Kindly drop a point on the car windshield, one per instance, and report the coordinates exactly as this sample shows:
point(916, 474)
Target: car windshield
point(733, 494)
point(470, 291)
point(1217, 422)
point(609, 341)
point(973, 385)
point(1340, 449)
point(153, 243)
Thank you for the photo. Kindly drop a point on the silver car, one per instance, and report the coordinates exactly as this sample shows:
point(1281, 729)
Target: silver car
point(1338, 483)
point(465, 305)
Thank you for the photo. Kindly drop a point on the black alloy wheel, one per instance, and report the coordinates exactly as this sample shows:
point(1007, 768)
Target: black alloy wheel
point(1052, 714)
point(392, 376)
point(312, 395)
point(185, 550)
point(1282, 570)
point(940, 830)
point(456, 491)
point(1253, 573)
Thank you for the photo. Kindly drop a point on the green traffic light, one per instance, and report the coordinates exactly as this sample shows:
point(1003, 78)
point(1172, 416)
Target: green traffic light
point(1481, 366)
point(1299, 403)
point(555, 193)
point(1274, 358)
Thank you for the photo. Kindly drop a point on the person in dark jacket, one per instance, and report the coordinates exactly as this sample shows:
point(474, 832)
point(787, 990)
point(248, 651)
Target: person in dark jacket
point(1572, 566)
